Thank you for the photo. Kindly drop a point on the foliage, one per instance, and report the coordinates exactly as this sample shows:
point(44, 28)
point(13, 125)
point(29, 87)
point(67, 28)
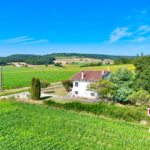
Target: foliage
point(29, 59)
point(92, 64)
point(26, 66)
point(103, 88)
point(142, 97)
point(126, 113)
point(35, 89)
point(123, 93)
point(46, 65)
point(94, 56)
point(142, 74)
point(68, 84)
point(27, 126)
point(58, 64)
point(123, 61)
point(122, 78)
point(45, 84)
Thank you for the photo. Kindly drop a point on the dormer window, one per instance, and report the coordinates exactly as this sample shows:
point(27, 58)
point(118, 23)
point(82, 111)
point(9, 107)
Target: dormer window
point(76, 84)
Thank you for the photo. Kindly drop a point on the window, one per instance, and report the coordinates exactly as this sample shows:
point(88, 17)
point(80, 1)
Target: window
point(92, 94)
point(76, 92)
point(76, 84)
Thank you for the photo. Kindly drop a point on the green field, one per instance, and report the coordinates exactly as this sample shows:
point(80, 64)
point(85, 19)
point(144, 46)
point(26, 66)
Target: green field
point(27, 126)
point(17, 77)
point(22, 79)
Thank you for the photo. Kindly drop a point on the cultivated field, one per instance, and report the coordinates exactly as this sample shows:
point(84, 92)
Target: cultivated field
point(28, 126)
point(16, 77)
point(65, 60)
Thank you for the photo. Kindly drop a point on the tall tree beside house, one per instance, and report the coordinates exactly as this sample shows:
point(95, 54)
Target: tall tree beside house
point(35, 89)
point(123, 79)
point(103, 88)
point(142, 74)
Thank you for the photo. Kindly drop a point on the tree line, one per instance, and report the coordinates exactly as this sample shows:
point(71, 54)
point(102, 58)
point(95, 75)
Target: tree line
point(94, 56)
point(29, 59)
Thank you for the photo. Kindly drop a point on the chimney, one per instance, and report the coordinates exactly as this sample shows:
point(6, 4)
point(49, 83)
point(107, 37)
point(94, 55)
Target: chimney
point(103, 72)
point(82, 74)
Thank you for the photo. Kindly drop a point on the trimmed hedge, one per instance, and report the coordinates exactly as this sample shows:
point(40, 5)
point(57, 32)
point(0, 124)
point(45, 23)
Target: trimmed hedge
point(126, 113)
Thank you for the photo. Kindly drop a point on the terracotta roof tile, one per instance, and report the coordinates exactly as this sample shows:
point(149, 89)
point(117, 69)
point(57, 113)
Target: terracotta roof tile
point(90, 75)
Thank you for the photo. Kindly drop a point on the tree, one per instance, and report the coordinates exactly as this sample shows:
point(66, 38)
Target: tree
point(103, 88)
point(35, 89)
point(142, 54)
point(68, 84)
point(137, 56)
point(123, 93)
point(46, 65)
point(58, 64)
point(123, 79)
point(142, 97)
point(142, 74)
point(45, 84)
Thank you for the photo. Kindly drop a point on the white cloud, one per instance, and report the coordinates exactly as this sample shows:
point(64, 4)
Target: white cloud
point(18, 39)
point(139, 39)
point(118, 34)
point(144, 11)
point(39, 41)
point(143, 29)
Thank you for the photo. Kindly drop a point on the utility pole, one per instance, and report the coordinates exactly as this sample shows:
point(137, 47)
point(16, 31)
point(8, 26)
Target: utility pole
point(1, 80)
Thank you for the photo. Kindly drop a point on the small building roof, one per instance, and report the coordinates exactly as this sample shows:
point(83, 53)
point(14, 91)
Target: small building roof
point(90, 75)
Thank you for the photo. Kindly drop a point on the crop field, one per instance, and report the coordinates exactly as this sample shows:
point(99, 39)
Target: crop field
point(22, 78)
point(17, 77)
point(29, 126)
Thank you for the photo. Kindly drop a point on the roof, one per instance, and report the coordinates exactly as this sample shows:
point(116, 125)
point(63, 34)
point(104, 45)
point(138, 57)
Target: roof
point(90, 75)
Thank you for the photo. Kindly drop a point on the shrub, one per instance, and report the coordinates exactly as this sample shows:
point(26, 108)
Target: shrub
point(35, 89)
point(25, 65)
point(45, 84)
point(126, 113)
point(142, 97)
point(68, 84)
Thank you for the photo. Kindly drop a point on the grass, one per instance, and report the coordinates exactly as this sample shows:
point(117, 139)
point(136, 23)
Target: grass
point(61, 91)
point(29, 126)
point(63, 100)
point(22, 79)
point(17, 77)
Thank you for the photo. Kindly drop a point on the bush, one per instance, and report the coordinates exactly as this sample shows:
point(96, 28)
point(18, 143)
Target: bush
point(35, 89)
point(45, 84)
point(126, 113)
point(142, 97)
point(68, 84)
point(25, 65)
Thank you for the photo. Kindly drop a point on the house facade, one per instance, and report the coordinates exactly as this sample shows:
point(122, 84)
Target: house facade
point(82, 79)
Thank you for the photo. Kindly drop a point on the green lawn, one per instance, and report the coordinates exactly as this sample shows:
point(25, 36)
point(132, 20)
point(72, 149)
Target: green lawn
point(28, 126)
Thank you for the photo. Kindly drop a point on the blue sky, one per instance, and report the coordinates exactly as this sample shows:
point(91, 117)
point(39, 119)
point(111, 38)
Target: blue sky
point(113, 27)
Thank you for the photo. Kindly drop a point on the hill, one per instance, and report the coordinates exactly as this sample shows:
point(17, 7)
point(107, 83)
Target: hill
point(93, 56)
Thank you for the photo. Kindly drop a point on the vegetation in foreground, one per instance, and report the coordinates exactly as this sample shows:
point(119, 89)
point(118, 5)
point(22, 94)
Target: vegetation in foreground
point(28, 126)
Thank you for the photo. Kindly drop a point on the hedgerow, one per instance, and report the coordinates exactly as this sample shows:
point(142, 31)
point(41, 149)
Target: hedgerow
point(126, 113)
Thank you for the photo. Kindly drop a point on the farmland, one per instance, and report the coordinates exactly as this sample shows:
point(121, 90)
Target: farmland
point(17, 77)
point(29, 126)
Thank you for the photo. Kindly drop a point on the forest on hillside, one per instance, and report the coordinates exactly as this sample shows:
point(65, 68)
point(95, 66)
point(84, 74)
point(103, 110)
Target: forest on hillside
point(29, 59)
point(93, 56)
point(49, 58)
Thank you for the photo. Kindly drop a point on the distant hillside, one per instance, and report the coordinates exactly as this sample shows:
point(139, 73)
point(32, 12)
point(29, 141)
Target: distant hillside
point(93, 56)
point(29, 59)
point(49, 58)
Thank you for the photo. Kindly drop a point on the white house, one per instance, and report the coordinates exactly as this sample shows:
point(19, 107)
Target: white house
point(82, 79)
